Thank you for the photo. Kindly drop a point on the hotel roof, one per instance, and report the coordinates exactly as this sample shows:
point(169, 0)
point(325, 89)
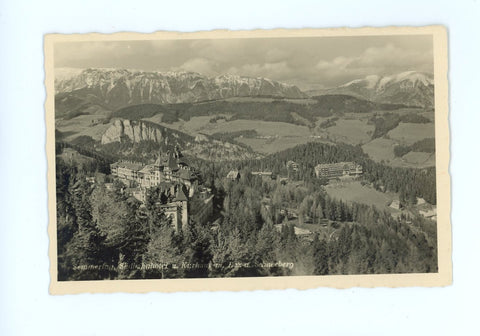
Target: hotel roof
point(180, 195)
point(129, 165)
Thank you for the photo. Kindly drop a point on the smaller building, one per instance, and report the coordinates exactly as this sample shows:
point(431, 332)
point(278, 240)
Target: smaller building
point(324, 222)
point(429, 213)
point(172, 211)
point(177, 210)
point(265, 175)
point(292, 165)
point(233, 175)
point(301, 232)
point(420, 201)
point(395, 205)
point(138, 193)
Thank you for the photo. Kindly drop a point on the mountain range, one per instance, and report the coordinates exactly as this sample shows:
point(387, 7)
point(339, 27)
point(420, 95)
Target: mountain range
point(101, 91)
point(113, 88)
point(409, 88)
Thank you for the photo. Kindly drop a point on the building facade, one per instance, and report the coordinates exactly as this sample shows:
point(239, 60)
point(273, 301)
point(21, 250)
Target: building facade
point(233, 175)
point(178, 182)
point(339, 169)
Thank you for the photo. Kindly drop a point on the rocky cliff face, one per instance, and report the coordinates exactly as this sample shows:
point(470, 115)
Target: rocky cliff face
point(134, 131)
point(202, 146)
point(118, 88)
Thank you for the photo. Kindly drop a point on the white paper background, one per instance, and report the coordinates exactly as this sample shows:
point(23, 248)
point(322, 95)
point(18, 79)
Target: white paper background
point(27, 309)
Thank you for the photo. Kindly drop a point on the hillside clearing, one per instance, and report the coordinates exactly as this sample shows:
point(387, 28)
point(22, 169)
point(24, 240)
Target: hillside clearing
point(420, 159)
point(380, 149)
point(90, 125)
point(267, 128)
point(409, 133)
point(269, 146)
point(353, 191)
point(350, 131)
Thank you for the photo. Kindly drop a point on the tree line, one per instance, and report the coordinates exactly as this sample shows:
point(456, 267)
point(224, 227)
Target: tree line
point(111, 231)
point(410, 183)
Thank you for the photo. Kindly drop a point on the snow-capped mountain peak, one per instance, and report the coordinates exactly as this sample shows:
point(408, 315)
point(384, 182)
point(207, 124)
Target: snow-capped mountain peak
point(120, 87)
point(410, 78)
point(409, 88)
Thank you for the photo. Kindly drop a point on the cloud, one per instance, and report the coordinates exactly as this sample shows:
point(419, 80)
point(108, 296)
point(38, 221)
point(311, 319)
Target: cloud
point(382, 60)
point(276, 71)
point(337, 63)
point(305, 62)
point(391, 56)
point(201, 65)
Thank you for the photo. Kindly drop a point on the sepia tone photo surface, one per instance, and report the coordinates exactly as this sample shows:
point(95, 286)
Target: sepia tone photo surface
point(248, 160)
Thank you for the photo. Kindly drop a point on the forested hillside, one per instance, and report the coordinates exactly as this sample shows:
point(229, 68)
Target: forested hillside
point(109, 231)
point(408, 182)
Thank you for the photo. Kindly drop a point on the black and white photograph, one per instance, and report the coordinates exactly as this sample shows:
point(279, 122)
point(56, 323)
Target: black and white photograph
point(246, 156)
point(239, 168)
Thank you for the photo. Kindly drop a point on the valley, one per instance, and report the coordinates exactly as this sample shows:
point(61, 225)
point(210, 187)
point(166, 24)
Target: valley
point(271, 136)
point(363, 112)
point(199, 168)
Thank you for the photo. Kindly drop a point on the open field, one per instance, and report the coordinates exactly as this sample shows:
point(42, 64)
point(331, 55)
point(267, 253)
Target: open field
point(408, 133)
point(90, 125)
point(273, 136)
point(353, 191)
point(420, 159)
point(267, 128)
point(193, 126)
point(269, 146)
point(350, 131)
point(380, 149)
point(278, 136)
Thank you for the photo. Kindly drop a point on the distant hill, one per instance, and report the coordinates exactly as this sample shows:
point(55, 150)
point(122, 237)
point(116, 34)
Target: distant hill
point(110, 89)
point(408, 88)
point(279, 110)
point(342, 103)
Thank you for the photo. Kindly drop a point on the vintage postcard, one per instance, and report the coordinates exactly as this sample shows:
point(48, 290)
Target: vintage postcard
point(244, 160)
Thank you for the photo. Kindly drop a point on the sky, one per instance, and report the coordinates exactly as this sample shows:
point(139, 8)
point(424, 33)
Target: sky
point(308, 62)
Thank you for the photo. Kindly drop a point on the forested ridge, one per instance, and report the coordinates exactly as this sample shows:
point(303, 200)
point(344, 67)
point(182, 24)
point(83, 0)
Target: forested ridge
point(279, 110)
